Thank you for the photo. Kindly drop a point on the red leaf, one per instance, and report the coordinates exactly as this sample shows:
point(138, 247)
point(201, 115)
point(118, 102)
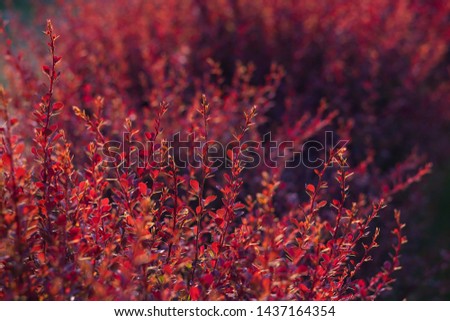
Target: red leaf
point(207, 279)
point(221, 212)
point(310, 189)
point(75, 234)
point(150, 136)
point(210, 199)
point(238, 206)
point(215, 247)
point(219, 221)
point(19, 148)
point(230, 154)
point(6, 159)
point(303, 288)
point(168, 269)
point(321, 204)
point(195, 185)
point(194, 292)
point(61, 220)
point(46, 70)
point(40, 185)
point(266, 285)
point(82, 185)
point(143, 188)
point(58, 106)
point(20, 172)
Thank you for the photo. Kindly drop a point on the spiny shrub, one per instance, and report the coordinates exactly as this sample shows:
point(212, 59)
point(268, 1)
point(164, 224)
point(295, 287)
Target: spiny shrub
point(78, 224)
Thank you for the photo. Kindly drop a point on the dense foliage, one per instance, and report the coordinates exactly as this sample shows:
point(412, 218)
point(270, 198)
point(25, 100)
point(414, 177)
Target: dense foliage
point(96, 204)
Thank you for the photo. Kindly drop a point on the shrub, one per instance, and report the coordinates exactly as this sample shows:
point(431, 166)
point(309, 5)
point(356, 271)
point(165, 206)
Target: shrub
point(96, 227)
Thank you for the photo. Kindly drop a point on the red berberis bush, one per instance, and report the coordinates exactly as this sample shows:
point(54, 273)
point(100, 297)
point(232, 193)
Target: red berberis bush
point(84, 218)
